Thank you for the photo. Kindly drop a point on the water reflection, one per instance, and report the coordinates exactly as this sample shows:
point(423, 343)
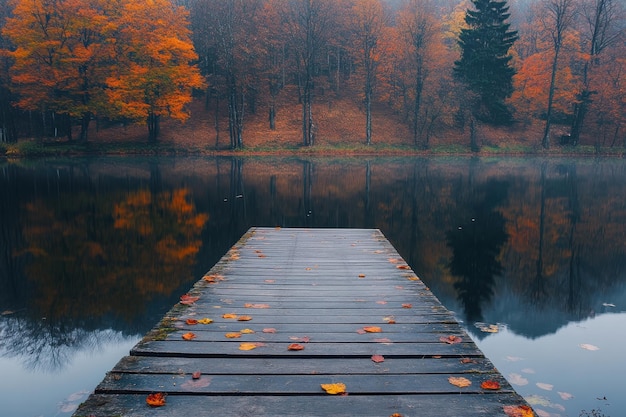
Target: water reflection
point(112, 243)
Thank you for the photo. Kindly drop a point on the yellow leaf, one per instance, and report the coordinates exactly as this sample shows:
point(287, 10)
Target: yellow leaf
point(459, 381)
point(205, 321)
point(233, 335)
point(333, 389)
point(247, 346)
point(229, 316)
point(246, 331)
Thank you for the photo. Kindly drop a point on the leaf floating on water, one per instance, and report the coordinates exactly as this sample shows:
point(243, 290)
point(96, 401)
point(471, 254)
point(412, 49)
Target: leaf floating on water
point(587, 346)
point(459, 381)
point(378, 358)
point(487, 328)
point(156, 399)
point(544, 386)
point(451, 340)
point(490, 385)
point(518, 411)
point(189, 336)
point(334, 389)
point(565, 395)
point(517, 379)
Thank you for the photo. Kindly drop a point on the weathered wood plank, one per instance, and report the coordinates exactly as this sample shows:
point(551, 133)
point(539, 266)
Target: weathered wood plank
point(448, 405)
point(319, 288)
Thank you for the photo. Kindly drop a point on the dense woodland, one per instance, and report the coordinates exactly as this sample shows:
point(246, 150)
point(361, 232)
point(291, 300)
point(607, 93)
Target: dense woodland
point(438, 65)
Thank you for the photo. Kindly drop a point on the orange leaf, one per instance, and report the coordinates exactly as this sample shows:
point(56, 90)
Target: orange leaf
point(229, 316)
point(248, 305)
point(361, 275)
point(269, 330)
point(295, 346)
point(378, 358)
point(490, 384)
point(403, 267)
point(451, 340)
point(459, 381)
point(196, 375)
point(233, 335)
point(189, 336)
point(188, 299)
point(248, 346)
point(373, 329)
point(396, 415)
point(247, 331)
point(518, 411)
point(213, 279)
point(244, 318)
point(407, 305)
point(156, 400)
point(333, 389)
point(191, 321)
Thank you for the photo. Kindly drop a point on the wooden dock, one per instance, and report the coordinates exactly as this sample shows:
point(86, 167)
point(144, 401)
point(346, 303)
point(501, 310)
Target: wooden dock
point(286, 311)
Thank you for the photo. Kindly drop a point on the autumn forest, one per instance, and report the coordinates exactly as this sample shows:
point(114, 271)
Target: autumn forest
point(556, 68)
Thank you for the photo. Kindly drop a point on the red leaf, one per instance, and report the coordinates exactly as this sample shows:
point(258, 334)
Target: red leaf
point(378, 358)
point(191, 321)
point(451, 340)
point(295, 346)
point(188, 299)
point(196, 375)
point(490, 384)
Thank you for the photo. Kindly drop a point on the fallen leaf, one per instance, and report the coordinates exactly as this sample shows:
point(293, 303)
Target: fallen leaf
point(451, 340)
point(196, 383)
point(205, 321)
point(191, 322)
point(269, 330)
point(233, 335)
point(189, 336)
point(393, 260)
point(459, 381)
point(229, 316)
point(565, 395)
point(304, 339)
point(467, 360)
point(213, 279)
point(247, 331)
point(196, 375)
point(244, 318)
point(413, 278)
point(187, 299)
point(544, 386)
point(396, 415)
point(381, 302)
point(407, 305)
point(361, 331)
point(247, 346)
point(361, 275)
point(249, 305)
point(333, 389)
point(270, 281)
point(378, 358)
point(518, 411)
point(372, 329)
point(403, 267)
point(156, 399)
point(517, 379)
point(295, 346)
point(490, 384)
point(384, 341)
point(587, 346)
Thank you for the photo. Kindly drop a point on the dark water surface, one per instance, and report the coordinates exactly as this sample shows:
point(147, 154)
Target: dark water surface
point(529, 253)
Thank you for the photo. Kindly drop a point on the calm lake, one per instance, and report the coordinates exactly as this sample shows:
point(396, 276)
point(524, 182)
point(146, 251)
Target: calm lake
point(529, 253)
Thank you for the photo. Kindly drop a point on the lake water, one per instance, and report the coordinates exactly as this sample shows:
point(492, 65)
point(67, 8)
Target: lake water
point(529, 253)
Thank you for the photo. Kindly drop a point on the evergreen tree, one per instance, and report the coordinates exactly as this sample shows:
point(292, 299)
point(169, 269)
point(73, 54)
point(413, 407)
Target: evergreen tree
point(485, 61)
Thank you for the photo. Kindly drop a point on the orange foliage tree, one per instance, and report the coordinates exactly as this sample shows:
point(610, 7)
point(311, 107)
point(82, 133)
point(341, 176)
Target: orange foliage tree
point(61, 56)
point(155, 74)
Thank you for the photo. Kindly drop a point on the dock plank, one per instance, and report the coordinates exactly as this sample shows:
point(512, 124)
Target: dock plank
point(320, 288)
